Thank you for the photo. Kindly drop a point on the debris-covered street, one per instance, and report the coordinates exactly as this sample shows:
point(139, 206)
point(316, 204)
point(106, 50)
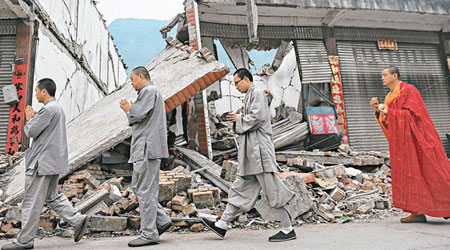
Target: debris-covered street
point(324, 124)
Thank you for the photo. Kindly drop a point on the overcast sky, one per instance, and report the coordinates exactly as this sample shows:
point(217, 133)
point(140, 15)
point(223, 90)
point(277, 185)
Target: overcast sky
point(143, 9)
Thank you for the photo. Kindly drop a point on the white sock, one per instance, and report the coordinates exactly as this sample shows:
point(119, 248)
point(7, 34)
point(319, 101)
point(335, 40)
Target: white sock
point(221, 224)
point(287, 230)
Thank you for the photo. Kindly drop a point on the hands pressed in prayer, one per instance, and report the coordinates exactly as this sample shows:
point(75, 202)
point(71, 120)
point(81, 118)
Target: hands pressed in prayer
point(231, 117)
point(29, 113)
point(125, 105)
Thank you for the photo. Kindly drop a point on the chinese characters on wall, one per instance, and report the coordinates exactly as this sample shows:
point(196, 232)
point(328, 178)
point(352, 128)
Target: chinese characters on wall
point(17, 111)
point(338, 97)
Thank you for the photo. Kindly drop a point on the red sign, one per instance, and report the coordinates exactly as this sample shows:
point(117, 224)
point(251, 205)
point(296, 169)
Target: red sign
point(387, 45)
point(323, 124)
point(17, 111)
point(338, 96)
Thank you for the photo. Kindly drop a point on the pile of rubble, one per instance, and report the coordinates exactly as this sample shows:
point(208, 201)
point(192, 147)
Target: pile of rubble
point(289, 132)
point(329, 186)
point(114, 208)
point(338, 193)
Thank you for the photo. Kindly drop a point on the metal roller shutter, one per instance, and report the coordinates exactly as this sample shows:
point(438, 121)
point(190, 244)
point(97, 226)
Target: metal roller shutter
point(314, 61)
point(361, 67)
point(7, 55)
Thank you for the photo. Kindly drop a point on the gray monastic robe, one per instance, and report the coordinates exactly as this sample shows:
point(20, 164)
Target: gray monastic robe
point(49, 148)
point(147, 116)
point(256, 150)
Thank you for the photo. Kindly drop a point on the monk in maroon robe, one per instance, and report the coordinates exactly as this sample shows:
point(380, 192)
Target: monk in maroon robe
point(420, 168)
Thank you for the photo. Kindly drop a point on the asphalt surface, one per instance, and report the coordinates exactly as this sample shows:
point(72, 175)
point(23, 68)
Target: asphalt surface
point(382, 234)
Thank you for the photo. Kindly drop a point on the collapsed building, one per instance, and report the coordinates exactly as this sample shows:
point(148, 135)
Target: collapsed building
point(328, 50)
point(339, 47)
point(64, 40)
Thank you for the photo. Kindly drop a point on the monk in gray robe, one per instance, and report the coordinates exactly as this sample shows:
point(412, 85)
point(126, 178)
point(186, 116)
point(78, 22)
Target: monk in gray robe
point(257, 163)
point(147, 116)
point(45, 161)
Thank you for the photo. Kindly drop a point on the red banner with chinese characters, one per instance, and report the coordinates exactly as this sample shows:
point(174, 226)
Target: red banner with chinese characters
point(17, 111)
point(387, 45)
point(338, 97)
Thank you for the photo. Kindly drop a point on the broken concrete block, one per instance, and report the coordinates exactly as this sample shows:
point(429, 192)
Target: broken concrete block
point(114, 194)
point(300, 204)
point(325, 207)
point(98, 209)
point(116, 182)
point(363, 209)
point(339, 170)
point(183, 183)
point(344, 148)
point(197, 227)
point(306, 177)
point(327, 216)
point(337, 194)
point(369, 203)
point(107, 223)
point(85, 205)
point(166, 191)
point(328, 183)
point(14, 214)
point(203, 199)
point(90, 180)
point(352, 171)
point(179, 200)
point(189, 209)
point(359, 178)
point(46, 226)
point(216, 194)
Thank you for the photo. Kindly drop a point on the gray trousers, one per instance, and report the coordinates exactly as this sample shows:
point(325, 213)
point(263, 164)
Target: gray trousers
point(245, 192)
point(145, 184)
point(40, 189)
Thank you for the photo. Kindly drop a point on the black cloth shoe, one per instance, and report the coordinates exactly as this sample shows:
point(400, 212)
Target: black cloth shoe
point(211, 225)
point(14, 246)
point(164, 228)
point(80, 229)
point(280, 236)
point(141, 242)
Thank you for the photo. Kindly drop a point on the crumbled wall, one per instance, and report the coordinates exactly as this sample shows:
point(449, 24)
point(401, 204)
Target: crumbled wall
point(284, 85)
point(76, 50)
point(75, 90)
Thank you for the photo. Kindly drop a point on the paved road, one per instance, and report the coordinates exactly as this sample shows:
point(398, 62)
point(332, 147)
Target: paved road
point(385, 234)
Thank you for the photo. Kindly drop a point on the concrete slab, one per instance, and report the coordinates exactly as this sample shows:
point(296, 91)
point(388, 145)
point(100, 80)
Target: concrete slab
point(178, 71)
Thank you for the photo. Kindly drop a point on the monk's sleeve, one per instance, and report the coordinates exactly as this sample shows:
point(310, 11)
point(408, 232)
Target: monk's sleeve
point(34, 127)
point(254, 119)
point(142, 107)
